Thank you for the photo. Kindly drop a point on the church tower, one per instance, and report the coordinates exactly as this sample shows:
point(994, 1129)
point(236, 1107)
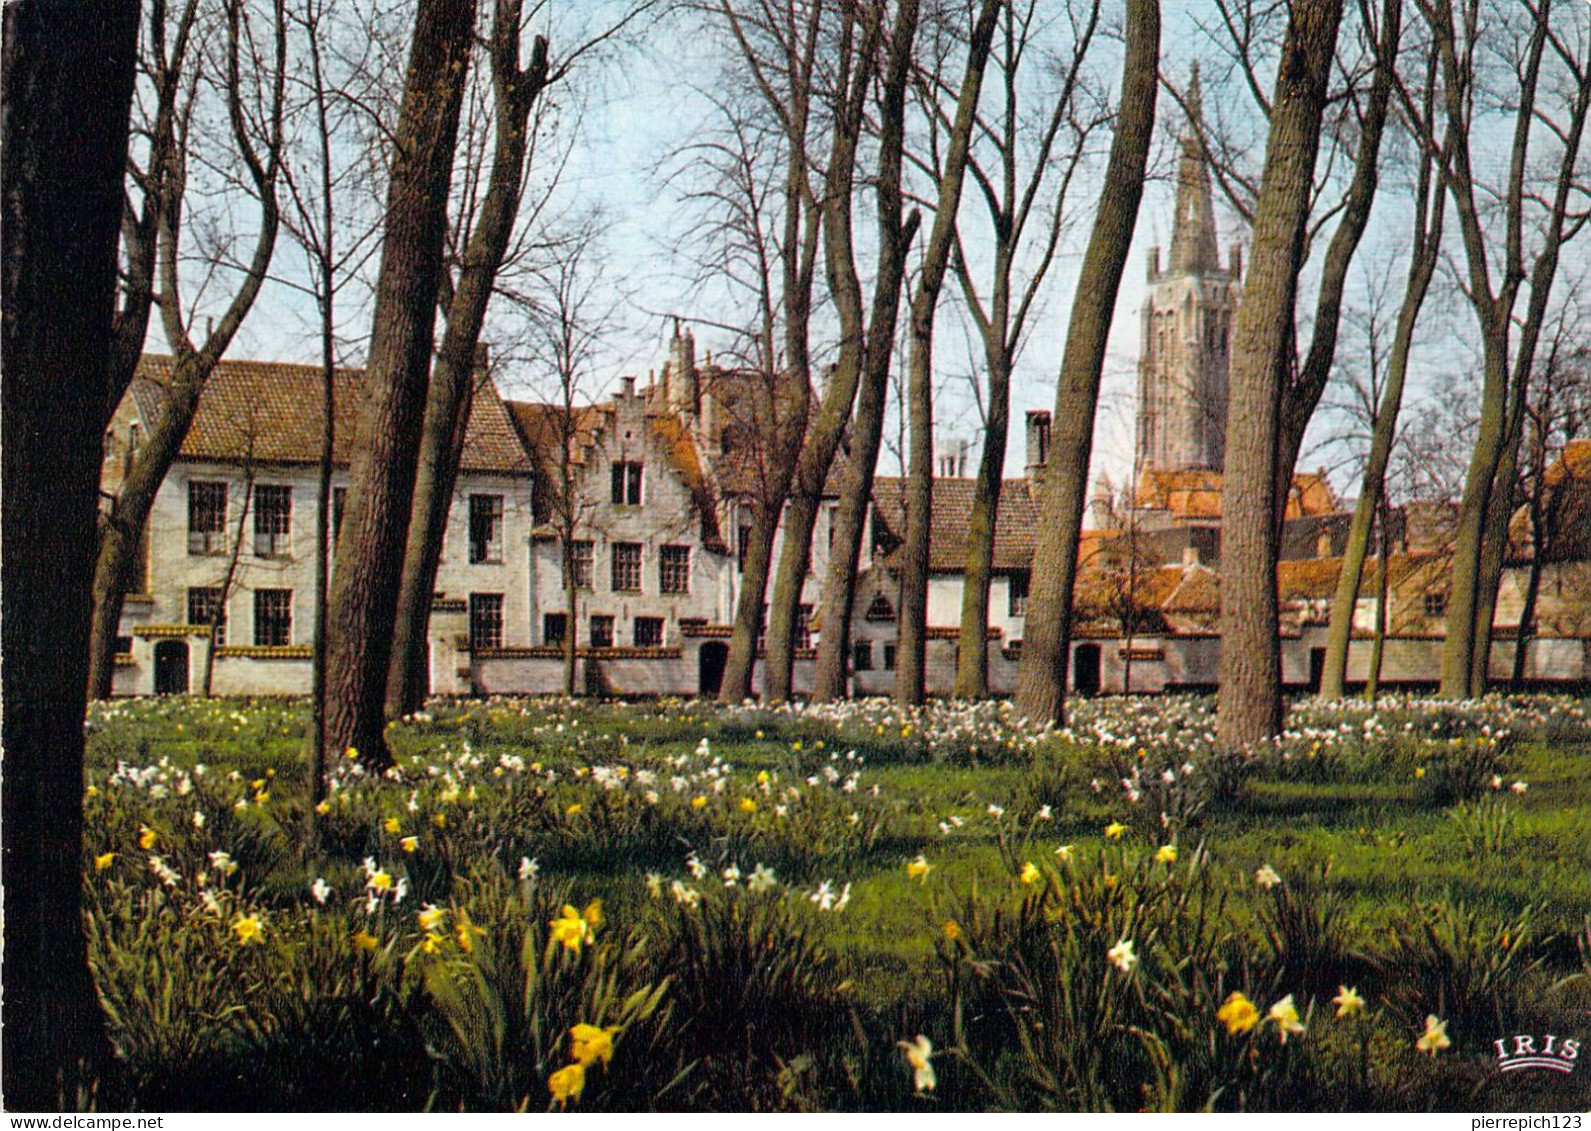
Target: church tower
point(1187, 327)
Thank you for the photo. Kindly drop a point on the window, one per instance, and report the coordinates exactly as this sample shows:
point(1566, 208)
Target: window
point(486, 621)
point(862, 655)
point(205, 607)
point(880, 609)
point(627, 567)
point(486, 528)
point(1436, 604)
point(674, 569)
point(580, 559)
point(648, 632)
point(273, 617)
point(273, 520)
point(743, 546)
point(889, 656)
point(206, 518)
point(626, 484)
point(1017, 594)
point(602, 632)
point(339, 503)
point(553, 627)
point(803, 626)
point(124, 645)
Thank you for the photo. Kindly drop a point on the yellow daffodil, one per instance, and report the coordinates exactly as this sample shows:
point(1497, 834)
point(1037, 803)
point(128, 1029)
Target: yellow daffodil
point(574, 810)
point(571, 929)
point(147, 837)
point(590, 1044)
point(431, 916)
point(1285, 1014)
point(1435, 1036)
point(919, 868)
point(440, 820)
point(432, 944)
point(1419, 771)
point(465, 931)
point(952, 930)
point(1065, 852)
point(1348, 1001)
point(698, 802)
point(1238, 1014)
point(1167, 854)
point(593, 914)
point(1114, 830)
point(1030, 873)
point(323, 808)
point(919, 1056)
point(763, 777)
point(248, 929)
point(747, 805)
point(392, 825)
point(104, 860)
point(1267, 877)
point(410, 844)
point(364, 940)
point(91, 791)
point(379, 881)
point(567, 1083)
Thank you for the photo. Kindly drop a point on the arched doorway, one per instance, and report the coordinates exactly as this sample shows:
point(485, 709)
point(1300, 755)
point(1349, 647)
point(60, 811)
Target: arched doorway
point(1085, 669)
point(171, 667)
point(710, 661)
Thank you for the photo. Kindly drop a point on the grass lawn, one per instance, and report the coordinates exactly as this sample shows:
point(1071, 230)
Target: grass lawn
point(785, 895)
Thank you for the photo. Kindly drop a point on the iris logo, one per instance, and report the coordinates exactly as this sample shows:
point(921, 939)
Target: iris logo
point(1517, 1053)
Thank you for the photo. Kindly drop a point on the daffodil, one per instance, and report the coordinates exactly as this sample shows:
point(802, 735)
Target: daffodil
point(1030, 873)
point(698, 802)
point(590, 1044)
point(574, 810)
point(1285, 1014)
point(571, 929)
point(1167, 854)
point(323, 808)
point(430, 917)
point(567, 1083)
point(147, 837)
point(1435, 1036)
point(919, 1055)
point(104, 860)
point(432, 944)
point(747, 805)
point(1065, 852)
point(1238, 1014)
point(364, 940)
point(379, 881)
point(919, 868)
point(410, 844)
point(248, 929)
point(952, 930)
point(593, 914)
point(1114, 830)
point(1122, 957)
point(1267, 877)
point(1348, 1001)
point(392, 825)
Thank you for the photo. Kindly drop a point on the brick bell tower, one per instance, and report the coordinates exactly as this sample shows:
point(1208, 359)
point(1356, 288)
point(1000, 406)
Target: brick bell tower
point(1187, 326)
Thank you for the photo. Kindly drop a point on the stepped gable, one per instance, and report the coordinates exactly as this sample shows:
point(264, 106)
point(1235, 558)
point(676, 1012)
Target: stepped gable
point(269, 412)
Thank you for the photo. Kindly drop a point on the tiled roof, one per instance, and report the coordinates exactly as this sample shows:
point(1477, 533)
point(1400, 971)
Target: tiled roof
point(270, 412)
point(1015, 525)
point(1196, 495)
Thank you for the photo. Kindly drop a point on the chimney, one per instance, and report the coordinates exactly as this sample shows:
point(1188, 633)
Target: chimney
point(627, 386)
point(1154, 263)
point(482, 360)
point(1190, 557)
point(681, 389)
point(1038, 441)
point(1235, 263)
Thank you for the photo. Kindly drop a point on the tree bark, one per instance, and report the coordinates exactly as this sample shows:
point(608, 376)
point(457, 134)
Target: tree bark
point(1041, 678)
point(453, 380)
point(1250, 667)
point(911, 651)
point(894, 237)
point(364, 593)
point(68, 80)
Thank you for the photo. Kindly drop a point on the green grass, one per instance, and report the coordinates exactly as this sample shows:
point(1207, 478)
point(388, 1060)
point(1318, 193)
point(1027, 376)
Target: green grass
point(1368, 819)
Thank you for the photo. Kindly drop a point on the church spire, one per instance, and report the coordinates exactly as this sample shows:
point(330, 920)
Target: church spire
point(1193, 246)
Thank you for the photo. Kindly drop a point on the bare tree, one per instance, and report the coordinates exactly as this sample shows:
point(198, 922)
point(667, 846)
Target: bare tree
point(66, 87)
point(1251, 698)
point(364, 591)
point(875, 347)
point(1533, 47)
point(911, 650)
point(1011, 196)
point(1041, 678)
point(250, 78)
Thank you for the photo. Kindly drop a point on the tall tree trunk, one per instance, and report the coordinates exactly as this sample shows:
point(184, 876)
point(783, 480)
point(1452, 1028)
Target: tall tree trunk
point(68, 81)
point(571, 636)
point(746, 634)
point(1041, 679)
point(1250, 667)
point(447, 410)
point(1527, 623)
point(1378, 644)
point(1427, 250)
point(364, 593)
point(894, 237)
point(911, 664)
point(972, 650)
